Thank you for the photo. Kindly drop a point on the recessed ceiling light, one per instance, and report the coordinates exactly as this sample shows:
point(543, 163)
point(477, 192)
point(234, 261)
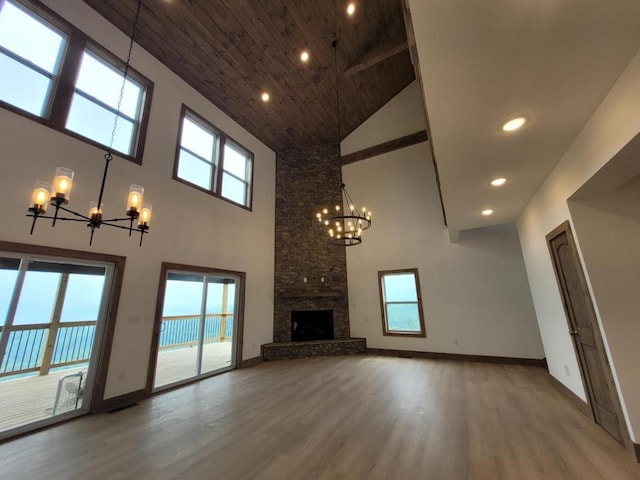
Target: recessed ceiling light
point(498, 182)
point(304, 56)
point(351, 9)
point(265, 97)
point(514, 124)
point(487, 212)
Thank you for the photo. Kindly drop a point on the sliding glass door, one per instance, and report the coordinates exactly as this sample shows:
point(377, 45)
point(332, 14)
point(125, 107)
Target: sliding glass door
point(51, 313)
point(198, 327)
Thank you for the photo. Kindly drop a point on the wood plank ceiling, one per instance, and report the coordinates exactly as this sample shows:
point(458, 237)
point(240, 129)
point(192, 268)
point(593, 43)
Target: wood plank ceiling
point(232, 50)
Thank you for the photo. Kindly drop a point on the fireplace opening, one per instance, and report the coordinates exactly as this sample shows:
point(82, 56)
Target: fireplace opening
point(307, 325)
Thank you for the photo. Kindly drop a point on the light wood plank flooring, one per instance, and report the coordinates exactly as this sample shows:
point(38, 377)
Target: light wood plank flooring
point(354, 417)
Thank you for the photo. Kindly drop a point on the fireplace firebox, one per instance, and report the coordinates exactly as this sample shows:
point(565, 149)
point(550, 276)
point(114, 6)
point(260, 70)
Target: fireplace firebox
point(308, 325)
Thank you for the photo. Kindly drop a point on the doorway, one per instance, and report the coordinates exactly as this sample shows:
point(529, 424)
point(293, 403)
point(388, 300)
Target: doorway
point(54, 319)
point(585, 332)
point(198, 324)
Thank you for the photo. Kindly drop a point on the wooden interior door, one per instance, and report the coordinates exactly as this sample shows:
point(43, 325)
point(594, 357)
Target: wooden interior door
point(584, 329)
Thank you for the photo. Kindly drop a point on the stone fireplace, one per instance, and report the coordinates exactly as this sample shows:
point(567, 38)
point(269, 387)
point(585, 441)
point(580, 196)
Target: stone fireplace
point(310, 274)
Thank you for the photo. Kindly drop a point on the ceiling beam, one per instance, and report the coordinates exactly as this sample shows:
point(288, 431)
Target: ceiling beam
point(385, 147)
point(376, 55)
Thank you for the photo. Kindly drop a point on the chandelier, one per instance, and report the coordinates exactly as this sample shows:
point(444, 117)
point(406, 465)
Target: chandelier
point(58, 193)
point(342, 228)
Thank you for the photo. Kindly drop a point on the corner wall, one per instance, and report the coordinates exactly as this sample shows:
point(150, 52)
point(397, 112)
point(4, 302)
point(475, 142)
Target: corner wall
point(608, 226)
point(475, 293)
point(612, 126)
point(188, 226)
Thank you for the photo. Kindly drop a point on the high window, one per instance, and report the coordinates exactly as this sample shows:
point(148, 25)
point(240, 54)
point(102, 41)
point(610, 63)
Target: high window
point(95, 103)
point(54, 74)
point(401, 303)
point(30, 54)
point(209, 160)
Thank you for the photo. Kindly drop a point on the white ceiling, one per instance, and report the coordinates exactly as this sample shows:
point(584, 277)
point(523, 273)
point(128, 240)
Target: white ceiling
point(484, 62)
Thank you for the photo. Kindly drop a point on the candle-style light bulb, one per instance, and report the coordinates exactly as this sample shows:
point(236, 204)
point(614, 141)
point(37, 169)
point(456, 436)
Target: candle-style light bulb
point(134, 201)
point(145, 216)
point(40, 197)
point(62, 183)
point(95, 213)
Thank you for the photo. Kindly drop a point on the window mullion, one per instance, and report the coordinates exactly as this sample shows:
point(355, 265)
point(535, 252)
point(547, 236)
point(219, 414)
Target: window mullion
point(100, 103)
point(222, 141)
point(195, 155)
point(65, 86)
point(26, 63)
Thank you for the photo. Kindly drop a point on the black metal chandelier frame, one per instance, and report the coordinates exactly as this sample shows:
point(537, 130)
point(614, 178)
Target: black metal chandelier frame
point(95, 218)
point(344, 229)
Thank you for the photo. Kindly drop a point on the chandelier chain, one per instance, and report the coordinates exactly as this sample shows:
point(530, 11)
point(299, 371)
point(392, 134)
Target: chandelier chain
point(125, 76)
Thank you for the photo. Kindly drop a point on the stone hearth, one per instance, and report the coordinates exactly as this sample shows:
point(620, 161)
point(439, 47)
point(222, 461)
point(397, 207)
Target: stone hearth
point(320, 348)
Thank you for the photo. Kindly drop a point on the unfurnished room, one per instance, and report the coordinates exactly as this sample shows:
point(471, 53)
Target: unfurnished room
point(319, 239)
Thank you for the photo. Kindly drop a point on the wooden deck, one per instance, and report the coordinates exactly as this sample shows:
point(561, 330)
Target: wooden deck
point(179, 363)
point(30, 399)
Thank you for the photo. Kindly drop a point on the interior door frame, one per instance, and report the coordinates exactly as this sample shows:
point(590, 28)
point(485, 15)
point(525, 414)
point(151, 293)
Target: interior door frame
point(97, 402)
point(155, 340)
point(565, 227)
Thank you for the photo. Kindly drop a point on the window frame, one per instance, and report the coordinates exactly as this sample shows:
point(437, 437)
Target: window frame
point(218, 161)
point(383, 303)
point(62, 88)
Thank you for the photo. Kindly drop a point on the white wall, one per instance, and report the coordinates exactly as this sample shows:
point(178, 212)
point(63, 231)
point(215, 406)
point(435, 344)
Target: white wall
point(475, 293)
point(407, 112)
point(612, 126)
point(188, 226)
point(608, 226)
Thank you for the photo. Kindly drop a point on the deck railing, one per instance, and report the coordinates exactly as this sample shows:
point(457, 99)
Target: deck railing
point(183, 330)
point(41, 347)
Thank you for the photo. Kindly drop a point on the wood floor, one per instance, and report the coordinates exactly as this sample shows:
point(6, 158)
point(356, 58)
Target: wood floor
point(355, 417)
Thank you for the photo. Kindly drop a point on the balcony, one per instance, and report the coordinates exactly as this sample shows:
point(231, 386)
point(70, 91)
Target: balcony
point(38, 356)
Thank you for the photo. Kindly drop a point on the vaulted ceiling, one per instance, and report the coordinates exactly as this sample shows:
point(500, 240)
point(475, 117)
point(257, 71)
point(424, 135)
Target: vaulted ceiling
point(233, 50)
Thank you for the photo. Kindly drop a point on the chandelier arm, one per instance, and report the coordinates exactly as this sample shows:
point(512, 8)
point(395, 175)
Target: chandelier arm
point(125, 219)
point(82, 218)
point(65, 219)
point(123, 227)
point(62, 219)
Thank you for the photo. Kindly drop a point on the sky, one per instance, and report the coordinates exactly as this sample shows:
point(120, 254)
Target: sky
point(84, 292)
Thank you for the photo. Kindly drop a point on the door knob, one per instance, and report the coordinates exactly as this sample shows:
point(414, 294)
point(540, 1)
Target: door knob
point(573, 332)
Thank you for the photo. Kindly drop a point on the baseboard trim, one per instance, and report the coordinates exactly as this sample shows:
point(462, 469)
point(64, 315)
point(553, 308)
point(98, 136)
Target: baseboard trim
point(120, 402)
point(251, 362)
point(532, 362)
point(577, 402)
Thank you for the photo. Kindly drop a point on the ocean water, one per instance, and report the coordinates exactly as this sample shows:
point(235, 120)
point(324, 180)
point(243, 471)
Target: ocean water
point(82, 303)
